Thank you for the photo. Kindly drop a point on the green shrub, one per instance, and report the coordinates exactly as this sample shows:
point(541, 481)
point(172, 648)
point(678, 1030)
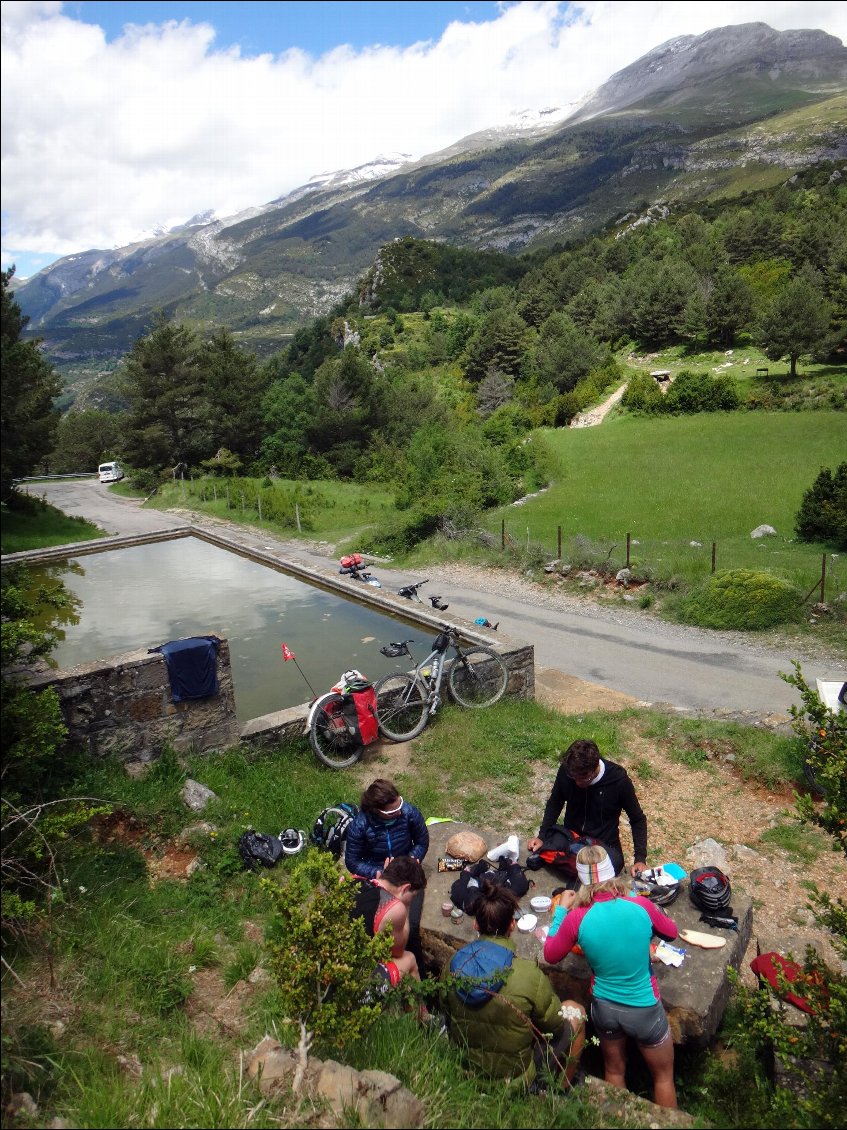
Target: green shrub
point(740, 598)
point(823, 512)
point(643, 394)
point(700, 392)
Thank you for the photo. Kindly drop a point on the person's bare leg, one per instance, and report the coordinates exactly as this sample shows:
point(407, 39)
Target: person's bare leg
point(614, 1060)
point(660, 1062)
point(577, 1042)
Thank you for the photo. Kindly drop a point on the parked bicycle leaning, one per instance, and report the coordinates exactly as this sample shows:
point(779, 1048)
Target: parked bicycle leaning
point(476, 676)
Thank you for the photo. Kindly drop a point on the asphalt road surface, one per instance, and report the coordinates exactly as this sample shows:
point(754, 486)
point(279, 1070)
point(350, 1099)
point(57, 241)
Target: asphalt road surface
point(624, 650)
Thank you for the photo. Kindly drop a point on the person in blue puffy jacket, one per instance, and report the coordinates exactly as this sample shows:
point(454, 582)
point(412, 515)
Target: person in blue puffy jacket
point(388, 826)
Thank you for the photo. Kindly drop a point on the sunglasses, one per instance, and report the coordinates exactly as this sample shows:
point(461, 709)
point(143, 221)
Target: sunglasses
point(392, 811)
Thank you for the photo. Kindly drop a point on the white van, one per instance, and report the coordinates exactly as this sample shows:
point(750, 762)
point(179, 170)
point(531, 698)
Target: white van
point(110, 472)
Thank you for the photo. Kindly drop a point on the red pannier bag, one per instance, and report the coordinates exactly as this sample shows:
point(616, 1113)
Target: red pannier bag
point(360, 712)
point(352, 561)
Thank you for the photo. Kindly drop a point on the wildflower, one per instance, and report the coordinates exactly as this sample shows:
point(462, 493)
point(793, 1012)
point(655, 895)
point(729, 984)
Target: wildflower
point(82, 890)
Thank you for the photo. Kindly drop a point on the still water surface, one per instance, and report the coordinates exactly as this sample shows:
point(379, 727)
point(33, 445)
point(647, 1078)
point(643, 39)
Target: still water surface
point(150, 594)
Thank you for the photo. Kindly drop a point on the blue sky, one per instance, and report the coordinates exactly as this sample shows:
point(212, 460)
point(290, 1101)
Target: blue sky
point(267, 26)
point(121, 119)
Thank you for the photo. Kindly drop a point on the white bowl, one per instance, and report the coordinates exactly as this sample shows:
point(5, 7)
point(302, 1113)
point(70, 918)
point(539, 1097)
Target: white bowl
point(540, 903)
point(527, 923)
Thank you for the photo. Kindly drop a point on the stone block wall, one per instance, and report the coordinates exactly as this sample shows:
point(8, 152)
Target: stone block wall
point(122, 707)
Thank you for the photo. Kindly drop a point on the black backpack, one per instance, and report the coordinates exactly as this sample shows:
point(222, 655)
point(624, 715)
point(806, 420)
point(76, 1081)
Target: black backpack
point(258, 849)
point(330, 829)
point(465, 890)
point(560, 848)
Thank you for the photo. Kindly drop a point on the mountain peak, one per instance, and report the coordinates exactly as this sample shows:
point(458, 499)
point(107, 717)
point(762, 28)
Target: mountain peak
point(727, 58)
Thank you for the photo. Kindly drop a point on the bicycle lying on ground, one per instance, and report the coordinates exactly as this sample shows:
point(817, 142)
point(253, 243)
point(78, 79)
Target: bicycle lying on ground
point(477, 676)
point(411, 593)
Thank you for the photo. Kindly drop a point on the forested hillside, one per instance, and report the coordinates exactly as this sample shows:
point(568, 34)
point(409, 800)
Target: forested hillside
point(444, 360)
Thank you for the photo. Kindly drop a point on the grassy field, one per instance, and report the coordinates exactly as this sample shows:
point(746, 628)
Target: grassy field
point(99, 1024)
point(329, 511)
point(690, 479)
point(38, 525)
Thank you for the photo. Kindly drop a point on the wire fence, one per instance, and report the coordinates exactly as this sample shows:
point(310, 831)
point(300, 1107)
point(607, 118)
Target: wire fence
point(652, 556)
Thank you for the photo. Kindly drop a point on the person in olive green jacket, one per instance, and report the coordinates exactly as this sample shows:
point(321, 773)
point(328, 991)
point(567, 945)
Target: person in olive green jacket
point(502, 1008)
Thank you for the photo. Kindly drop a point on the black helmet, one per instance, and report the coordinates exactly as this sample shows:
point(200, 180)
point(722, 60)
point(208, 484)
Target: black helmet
point(293, 841)
point(330, 830)
point(710, 889)
point(660, 894)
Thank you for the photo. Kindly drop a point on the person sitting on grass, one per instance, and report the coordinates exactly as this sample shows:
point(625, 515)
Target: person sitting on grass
point(383, 905)
point(502, 1009)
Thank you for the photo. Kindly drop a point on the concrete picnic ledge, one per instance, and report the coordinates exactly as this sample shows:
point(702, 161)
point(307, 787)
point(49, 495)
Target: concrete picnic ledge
point(694, 995)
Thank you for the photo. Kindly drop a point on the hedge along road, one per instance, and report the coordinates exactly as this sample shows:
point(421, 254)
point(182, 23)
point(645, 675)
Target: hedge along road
point(626, 651)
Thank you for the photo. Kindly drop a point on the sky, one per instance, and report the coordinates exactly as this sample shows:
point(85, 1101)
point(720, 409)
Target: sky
point(119, 119)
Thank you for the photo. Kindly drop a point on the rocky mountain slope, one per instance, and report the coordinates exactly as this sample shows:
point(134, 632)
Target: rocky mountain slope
point(701, 116)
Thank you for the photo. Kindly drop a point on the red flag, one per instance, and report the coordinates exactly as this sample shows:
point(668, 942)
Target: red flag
point(286, 653)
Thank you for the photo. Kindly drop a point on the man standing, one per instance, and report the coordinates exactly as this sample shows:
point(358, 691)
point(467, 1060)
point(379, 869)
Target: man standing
point(593, 793)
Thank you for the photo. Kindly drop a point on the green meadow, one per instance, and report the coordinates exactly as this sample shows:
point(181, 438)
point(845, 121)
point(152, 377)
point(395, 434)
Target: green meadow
point(711, 477)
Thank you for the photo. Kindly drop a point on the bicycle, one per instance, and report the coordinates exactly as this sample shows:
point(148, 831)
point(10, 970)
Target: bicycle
point(338, 731)
point(476, 677)
point(411, 593)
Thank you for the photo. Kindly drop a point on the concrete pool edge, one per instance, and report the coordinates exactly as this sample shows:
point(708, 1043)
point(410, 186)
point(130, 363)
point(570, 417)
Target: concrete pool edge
point(117, 673)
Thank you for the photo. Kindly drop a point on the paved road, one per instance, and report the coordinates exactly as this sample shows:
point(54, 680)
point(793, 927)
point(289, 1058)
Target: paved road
point(628, 652)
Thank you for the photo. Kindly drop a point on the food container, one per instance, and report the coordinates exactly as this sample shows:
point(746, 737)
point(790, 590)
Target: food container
point(456, 914)
point(447, 909)
point(527, 923)
point(540, 903)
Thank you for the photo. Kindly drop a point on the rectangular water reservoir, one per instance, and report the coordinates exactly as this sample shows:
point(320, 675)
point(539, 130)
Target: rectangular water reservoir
point(147, 595)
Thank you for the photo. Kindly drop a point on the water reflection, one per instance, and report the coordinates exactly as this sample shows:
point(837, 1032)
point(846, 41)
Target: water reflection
point(147, 595)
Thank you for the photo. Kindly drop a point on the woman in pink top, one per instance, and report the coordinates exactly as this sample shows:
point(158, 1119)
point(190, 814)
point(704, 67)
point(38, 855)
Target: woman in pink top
point(614, 931)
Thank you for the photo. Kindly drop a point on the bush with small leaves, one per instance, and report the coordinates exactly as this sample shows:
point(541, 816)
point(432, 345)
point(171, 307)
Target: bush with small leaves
point(740, 598)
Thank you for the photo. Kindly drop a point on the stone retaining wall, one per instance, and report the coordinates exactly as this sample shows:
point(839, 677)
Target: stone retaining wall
point(123, 708)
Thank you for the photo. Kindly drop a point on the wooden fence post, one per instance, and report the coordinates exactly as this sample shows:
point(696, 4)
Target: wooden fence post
point(714, 554)
point(628, 543)
point(259, 505)
point(297, 516)
point(502, 533)
point(823, 577)
point(559, 543)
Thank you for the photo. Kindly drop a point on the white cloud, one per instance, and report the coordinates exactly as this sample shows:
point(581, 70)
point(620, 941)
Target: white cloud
point(102, 141)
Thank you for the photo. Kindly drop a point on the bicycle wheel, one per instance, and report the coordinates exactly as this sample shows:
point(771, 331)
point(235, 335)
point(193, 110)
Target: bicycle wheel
point(477, 677)
point(401, 707)
point(330, 736)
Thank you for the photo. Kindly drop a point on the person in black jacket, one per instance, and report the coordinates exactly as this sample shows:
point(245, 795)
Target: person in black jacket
point(593, 793)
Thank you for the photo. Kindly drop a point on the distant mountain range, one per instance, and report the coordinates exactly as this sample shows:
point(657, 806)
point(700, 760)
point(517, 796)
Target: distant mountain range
point(738, 108)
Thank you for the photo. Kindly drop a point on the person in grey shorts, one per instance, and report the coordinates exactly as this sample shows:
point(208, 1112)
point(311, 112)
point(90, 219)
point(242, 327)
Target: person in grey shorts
point(614, 930)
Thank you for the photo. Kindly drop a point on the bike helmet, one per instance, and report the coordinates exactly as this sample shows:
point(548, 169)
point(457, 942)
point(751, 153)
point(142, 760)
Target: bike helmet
point(293, 841)
point(330, 830)
point(395, 650)
point(710, 889)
